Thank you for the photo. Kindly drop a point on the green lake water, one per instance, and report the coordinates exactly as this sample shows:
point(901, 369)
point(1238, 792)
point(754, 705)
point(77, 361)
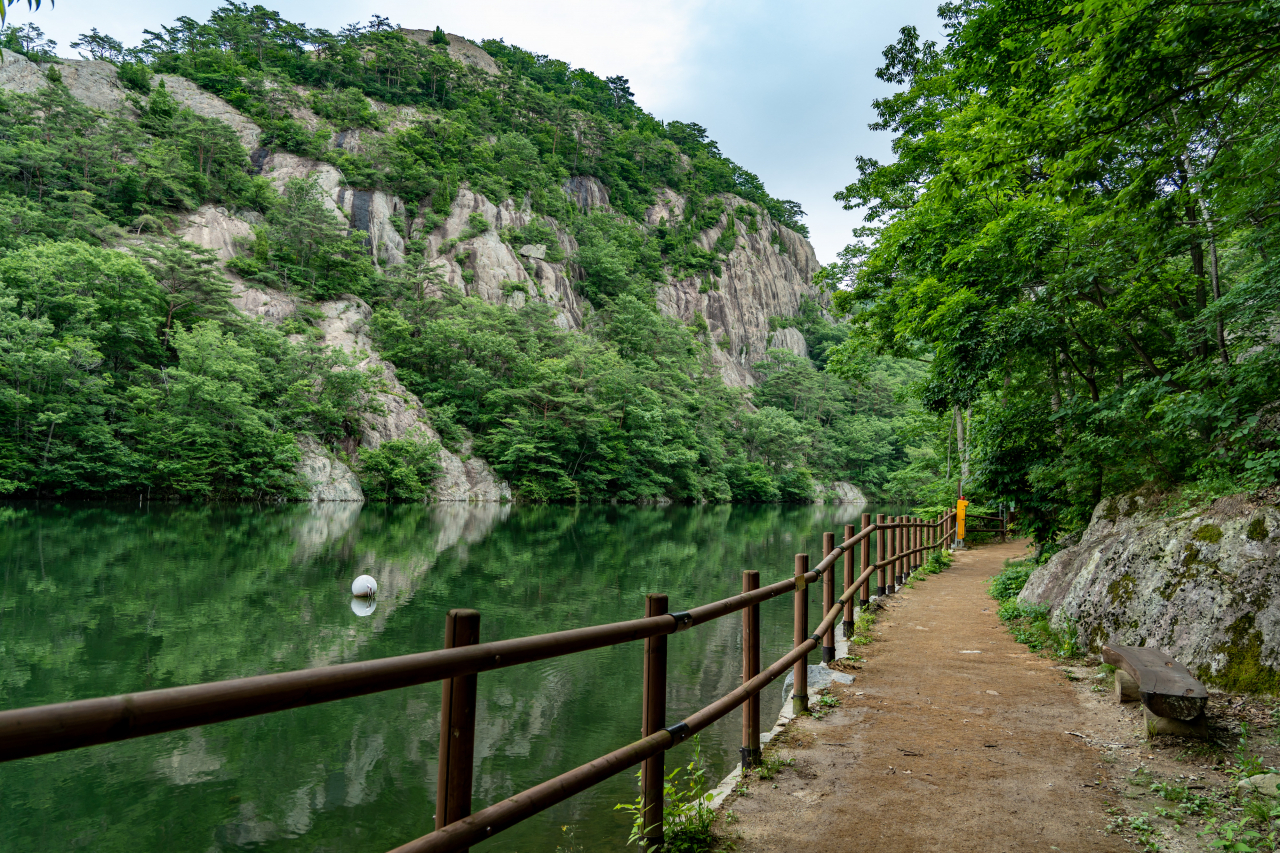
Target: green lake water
point(97, 600)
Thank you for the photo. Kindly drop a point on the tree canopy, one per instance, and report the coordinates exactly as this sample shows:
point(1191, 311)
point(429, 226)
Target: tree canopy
point(1079, 234)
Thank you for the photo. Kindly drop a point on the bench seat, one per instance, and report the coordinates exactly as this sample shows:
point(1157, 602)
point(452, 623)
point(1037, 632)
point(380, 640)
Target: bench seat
point(1167, 688)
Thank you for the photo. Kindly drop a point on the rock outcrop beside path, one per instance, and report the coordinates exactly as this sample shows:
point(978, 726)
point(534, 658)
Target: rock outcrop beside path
point(1203, 586)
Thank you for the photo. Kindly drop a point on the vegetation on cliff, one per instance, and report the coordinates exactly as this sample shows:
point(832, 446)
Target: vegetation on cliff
point(125, 370)
point(1079, 234)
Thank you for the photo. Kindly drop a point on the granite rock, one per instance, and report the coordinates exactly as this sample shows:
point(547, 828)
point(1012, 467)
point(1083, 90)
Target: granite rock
point(769, 273)
point(324, 476)
point(1202, 586)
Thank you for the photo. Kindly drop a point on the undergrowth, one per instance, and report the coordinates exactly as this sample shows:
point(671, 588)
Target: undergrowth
point(862, 624)
point(1030, 623)
point(687, 820)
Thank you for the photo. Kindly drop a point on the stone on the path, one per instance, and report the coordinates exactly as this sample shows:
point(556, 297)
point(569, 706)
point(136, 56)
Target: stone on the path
point(1264, 783)
point(820, 677)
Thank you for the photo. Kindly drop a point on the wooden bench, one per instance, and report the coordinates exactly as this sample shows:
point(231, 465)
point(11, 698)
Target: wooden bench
point(1172, 698)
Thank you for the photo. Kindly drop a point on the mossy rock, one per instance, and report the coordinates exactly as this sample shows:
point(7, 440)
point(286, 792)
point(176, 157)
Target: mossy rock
point(1258, 531)
point(1211, 533)
point(1112, 511)
point(1244, 671)
point(1120, 590)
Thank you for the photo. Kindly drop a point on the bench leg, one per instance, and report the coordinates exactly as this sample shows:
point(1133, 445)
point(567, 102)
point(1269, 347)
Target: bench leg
point(1126, 687)
point(1156, 725)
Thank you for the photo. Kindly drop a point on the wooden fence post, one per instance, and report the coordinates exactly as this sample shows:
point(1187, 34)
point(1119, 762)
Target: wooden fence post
point(900, 567)
point(917, 541)
point(849, 578)
point(864, 552)
point(828, 598)
point(800, 679)
point(881, 539)
point(653, 718)
point(750, 669)
point(457, 725)
point(891, 554)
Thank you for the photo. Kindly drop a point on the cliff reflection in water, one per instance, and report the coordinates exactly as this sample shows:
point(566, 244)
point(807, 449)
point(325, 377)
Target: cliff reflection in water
point(104, 599)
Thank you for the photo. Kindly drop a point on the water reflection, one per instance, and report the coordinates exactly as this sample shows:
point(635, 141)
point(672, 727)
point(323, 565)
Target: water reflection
point(100, 600)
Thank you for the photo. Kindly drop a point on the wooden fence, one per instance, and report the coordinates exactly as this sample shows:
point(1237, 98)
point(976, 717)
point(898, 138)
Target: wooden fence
point(901, 543)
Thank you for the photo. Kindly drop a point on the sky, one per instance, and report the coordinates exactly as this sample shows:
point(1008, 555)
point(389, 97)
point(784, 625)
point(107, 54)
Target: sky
point(784, 88)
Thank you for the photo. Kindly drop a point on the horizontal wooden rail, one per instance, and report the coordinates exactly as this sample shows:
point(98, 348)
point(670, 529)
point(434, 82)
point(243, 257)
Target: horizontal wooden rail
point(503, 815)
point(499, 816)
point(27, 732)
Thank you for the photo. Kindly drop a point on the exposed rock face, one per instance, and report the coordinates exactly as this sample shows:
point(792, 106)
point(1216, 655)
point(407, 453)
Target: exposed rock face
point(345, 326)
point(1203, 587)
point(460, 49)
point(471, 54)
point(92, 82)
point(215, 229)
point(280, 167)
point(325, 477)
point(211, 106)
point(767, 274)
point(370, 211)
point(587, 192)
point(839, 492)
point(262, 302)
point(791, 340)
point(500, 274)
point(19, 74)
point(668, 209)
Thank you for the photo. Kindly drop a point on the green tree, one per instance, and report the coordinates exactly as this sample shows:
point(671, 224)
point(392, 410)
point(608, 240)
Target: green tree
point(400, 470)
point(1068, 269)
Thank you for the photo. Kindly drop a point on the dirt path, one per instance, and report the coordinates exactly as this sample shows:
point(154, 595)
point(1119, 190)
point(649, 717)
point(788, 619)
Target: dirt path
point(953, 738)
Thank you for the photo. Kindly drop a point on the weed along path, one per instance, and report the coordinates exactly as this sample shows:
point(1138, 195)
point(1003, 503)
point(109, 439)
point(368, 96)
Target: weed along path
point(953, 738)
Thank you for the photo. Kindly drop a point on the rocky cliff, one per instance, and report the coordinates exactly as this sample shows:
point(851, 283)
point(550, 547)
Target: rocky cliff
point(768, 272)
point(1203, 586)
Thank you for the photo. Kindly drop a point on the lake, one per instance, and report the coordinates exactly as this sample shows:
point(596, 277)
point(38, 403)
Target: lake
point(105, 599)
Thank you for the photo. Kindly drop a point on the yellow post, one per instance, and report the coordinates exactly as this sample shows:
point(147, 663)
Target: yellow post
point(960, 505)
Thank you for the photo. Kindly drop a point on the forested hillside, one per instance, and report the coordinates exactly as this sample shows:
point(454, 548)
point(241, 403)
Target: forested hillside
point(381, 172)
point(1080, 234)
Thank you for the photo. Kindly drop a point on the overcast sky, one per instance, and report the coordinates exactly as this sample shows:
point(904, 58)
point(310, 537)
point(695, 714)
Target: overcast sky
point(785, 88)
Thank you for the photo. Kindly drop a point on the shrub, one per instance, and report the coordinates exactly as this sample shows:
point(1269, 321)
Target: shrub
point(938, 561)
point(346, 109)
point(135, 76)
point(476, 225)
point(399, 471)
point(1009, 583)
point(687, 820)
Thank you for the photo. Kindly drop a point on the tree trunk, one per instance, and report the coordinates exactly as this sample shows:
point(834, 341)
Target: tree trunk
point(962, 450)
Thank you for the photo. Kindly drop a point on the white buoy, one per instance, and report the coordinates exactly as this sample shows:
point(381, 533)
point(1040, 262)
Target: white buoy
point(363, 606)
point(364, 587)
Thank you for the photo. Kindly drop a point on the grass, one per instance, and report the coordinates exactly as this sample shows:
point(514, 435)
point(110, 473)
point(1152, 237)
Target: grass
point(862, 625)
point(688, 822)
point(826, 704)
point(770, 765)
